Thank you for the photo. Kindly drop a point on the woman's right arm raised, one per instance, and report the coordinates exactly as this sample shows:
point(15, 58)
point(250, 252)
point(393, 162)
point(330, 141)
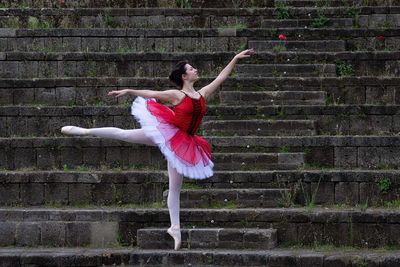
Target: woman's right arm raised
point(170, 96)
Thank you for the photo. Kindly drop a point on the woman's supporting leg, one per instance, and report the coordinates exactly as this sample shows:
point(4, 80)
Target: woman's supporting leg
point(174, 191)
point(136, 136)
point(173, 202)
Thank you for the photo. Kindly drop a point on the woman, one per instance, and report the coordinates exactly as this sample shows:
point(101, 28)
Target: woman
point(173, 131)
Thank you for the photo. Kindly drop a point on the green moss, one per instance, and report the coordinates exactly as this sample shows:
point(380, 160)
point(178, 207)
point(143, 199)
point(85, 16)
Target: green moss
point(320, 22)
point(344, 69)
point(281, 11)
point(384, 185)
point(191, 186)
point(183, 3)
point(393, 204)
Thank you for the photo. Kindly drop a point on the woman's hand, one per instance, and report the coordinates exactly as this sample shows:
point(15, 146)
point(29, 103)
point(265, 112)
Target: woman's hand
point(118, 93)
point(245, 53)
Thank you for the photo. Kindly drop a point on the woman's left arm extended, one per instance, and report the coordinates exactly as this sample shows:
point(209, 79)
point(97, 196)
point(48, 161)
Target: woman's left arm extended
point(207, 90)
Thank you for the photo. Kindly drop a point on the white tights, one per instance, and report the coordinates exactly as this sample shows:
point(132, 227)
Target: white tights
point(137, 136)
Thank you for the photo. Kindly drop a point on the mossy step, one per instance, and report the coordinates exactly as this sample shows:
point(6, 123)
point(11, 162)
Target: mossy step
point(73, 92)
point(90, 65)
point(272, 98)
point(209, 238)
point(119, 20)
point(83, 186)
point(284, 257)
point(269, 12)
point(286, 70)
point(233, 198)
point(81, 227)
point(259, 127)
point(318, 45)
point(311, 23)
point(369, 152)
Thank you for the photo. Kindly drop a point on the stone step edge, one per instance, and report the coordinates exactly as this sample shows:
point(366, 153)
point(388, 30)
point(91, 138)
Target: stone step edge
point(318, 140)
point(196, 11)
point(215, 237)
point(260, 55)
point(120, 254)
point(268, 110)
point(125, 81)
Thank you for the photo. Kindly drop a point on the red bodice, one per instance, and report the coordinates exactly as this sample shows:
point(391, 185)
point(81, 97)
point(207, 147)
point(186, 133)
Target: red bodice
point(189, 114)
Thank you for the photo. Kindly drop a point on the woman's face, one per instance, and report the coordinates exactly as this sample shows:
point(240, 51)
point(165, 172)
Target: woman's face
point(191, 73)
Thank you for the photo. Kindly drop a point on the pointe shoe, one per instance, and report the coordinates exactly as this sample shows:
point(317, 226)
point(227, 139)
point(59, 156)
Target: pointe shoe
point(73, 130)
point(175, 232)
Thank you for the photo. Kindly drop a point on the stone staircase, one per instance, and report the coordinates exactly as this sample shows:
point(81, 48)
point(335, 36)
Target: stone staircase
point(304, 133)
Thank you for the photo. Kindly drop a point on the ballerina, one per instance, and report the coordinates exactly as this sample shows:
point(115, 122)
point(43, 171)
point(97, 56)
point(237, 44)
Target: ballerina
point(173, 131)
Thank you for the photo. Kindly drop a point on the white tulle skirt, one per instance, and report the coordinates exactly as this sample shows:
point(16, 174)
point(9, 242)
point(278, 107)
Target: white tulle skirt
point(190, 155)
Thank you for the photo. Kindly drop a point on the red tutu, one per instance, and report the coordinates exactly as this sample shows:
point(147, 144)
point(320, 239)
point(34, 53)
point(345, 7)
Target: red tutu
point(173, 131)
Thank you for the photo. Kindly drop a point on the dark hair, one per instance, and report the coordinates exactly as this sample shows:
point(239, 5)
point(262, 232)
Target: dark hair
point(176, 74)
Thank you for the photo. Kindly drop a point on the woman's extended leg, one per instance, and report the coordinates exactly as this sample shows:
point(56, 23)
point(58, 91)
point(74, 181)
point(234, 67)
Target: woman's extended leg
point(136, 136)
point(173, 202)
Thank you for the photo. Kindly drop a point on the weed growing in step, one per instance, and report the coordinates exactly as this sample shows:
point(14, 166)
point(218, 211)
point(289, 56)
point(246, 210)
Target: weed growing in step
point(282, 11)
point(310, 200)
point(288, 197)
point(353, 12)
point(284, 149)
point(384, 185)
point(109, 21)
point(10, 23)
point(363, 206)
point(161, 50)
point(279, 48)
point(242, 47)
point(320, 22)
point(183, 3)
point(191, 186)
point(361, 263)
point(394, 204)
point(273, 32)
point(344, 69)
point(222, 206)
point(34, 23)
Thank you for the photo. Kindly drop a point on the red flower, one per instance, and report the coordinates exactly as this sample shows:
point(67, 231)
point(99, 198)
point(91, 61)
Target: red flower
point(282, 37)
point(381, 38)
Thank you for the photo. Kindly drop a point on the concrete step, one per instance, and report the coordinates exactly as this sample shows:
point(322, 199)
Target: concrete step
point(259, 127)
point(96, 153)
point(119, 19)
point(74, 92)
point(31, 125)
point(89, 187)
point(111, 17)
point(110, 227)
point(240, 198)
point(284, 257)
point(273, 98)
point(286, 70)
point(308, 23)
point(258, 161)
point(194, 4)
point(127, 41)
point(70, 64)
point(323, 45)
point(305, 119)
point(348, 152)
point(209, 238)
